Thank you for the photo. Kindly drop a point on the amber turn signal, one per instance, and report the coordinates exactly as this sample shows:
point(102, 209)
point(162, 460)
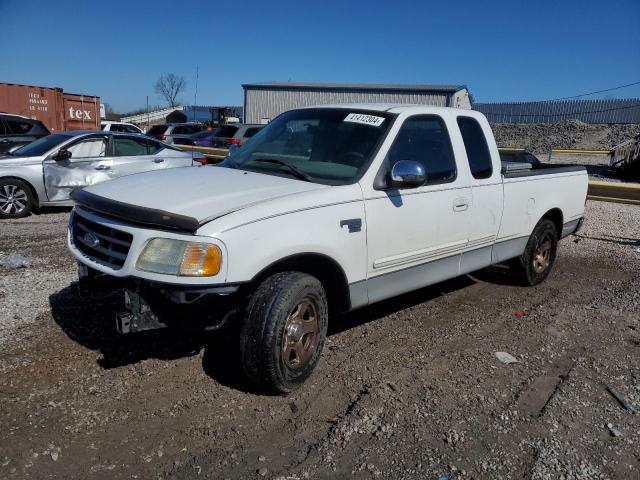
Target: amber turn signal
point(200, 260)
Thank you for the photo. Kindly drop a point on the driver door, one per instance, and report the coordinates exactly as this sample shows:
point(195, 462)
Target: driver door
point(87, 165)
point(415, 236)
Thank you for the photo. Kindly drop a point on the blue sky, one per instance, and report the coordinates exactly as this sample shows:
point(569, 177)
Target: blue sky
point(504, 50)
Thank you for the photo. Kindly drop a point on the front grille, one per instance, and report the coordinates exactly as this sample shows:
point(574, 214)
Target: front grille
point(100, 243)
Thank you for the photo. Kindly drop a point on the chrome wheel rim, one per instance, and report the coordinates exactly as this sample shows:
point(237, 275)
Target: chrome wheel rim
point(13, 199)
point(301, 334)
point(542, 255)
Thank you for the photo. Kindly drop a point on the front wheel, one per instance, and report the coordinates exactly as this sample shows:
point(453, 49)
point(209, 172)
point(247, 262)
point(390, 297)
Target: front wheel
point(16, 199)
point(534, 265)
point(283, 331)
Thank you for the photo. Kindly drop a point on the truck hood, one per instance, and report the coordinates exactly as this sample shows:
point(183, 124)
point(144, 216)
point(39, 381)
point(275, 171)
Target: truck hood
point(201, 193)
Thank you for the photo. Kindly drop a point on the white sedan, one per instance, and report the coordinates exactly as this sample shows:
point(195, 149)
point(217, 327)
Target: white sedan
point(44, 172)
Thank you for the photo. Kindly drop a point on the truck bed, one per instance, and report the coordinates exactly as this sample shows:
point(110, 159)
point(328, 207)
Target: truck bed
point(517, 169)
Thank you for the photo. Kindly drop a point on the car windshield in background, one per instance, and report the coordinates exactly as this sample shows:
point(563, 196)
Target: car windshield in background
point(40, 146)
point(324, 145)
point(157, 130)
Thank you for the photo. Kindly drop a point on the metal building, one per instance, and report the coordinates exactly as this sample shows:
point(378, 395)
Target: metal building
point(264, 101)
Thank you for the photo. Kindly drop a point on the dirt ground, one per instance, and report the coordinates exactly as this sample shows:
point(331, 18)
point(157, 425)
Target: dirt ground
point(408, 388)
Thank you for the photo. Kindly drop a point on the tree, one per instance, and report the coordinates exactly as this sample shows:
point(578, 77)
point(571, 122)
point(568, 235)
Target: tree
point(110, 114)
point(169, 86)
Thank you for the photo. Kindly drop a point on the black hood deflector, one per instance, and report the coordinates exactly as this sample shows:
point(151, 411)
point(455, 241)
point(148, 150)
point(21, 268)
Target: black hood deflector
point(148, 217)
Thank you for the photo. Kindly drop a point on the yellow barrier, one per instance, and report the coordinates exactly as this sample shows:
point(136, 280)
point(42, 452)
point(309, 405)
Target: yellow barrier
point(614, 192)
point(581, 152)
point(215, 154)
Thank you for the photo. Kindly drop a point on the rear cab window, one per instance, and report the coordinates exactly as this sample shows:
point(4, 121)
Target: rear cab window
point(475, 144)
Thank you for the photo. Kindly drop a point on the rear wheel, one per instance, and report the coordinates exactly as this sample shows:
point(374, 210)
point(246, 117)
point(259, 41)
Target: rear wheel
point(16, 199)
point(283, 331)
point(535, 264)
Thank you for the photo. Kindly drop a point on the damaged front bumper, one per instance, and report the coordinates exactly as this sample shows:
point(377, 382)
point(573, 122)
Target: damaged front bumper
point(151, 305)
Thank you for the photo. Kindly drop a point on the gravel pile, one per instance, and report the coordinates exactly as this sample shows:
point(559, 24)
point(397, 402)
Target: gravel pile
point(540, 137)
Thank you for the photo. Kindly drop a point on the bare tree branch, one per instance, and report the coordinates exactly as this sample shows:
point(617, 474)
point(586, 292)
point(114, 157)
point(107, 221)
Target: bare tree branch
point(169, 86)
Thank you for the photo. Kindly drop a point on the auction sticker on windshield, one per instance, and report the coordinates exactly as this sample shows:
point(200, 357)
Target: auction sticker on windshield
point(364, 119)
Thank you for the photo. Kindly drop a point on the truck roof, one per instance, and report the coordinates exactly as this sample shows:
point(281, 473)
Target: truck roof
point(394, 107)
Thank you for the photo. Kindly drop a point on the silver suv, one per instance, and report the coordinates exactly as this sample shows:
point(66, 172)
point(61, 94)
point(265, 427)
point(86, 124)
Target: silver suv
point(168, 133)
point(234, 134)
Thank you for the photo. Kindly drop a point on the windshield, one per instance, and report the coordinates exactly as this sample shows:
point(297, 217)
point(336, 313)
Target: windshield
point(324, 145)
point(40, 146)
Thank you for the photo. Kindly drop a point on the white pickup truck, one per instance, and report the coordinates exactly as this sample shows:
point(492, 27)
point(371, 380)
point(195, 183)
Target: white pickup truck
point(325, 210)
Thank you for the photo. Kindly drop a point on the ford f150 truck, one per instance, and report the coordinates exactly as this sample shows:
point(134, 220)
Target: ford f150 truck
point(325, 210)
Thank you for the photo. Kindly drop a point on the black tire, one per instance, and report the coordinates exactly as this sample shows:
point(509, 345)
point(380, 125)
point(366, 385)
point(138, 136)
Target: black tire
point(16, 199)
point(270, 358)
point(535, 264)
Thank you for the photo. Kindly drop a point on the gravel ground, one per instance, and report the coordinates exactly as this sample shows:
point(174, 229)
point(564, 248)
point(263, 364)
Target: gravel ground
point(49, 265)
point(408, 388)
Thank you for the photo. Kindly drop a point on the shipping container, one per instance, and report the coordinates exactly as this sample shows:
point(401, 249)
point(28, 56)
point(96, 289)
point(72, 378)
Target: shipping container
point(58, 110)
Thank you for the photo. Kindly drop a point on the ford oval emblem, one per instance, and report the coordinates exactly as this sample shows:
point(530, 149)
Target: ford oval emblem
point(90, 240)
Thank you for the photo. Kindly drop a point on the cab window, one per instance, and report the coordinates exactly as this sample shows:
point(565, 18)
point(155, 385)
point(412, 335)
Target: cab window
point(475, 144)
point(425, 139)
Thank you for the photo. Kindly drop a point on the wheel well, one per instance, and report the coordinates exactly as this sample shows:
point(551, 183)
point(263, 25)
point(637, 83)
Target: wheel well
point(555, 215)
point(36, 200)
point(324, 268)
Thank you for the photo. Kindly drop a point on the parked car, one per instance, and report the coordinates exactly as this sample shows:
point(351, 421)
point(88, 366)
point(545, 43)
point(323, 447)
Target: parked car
point(234, 134)
point(221, 137)
point(199, 139)
point(120, 127)
point(16, 130)
point(517, 155)
point(169, 133)
point(329, 209)
point(44, 172)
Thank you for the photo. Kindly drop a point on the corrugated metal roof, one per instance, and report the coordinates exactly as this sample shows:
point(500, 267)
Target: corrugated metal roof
point(446, 88)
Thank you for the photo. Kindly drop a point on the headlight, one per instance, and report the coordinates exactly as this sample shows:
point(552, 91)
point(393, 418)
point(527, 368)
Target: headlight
point(175, 257)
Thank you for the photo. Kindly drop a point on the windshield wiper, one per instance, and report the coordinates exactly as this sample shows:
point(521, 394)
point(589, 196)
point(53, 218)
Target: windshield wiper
point(294, 170)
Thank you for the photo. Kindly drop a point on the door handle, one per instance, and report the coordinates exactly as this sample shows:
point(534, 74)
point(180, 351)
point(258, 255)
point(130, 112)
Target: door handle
point(460, 204)
point(103, 167)
point(158, 160)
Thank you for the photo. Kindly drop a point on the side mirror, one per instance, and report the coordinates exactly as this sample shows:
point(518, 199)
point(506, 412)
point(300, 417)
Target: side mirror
point(62, 155)
point(407, 174)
